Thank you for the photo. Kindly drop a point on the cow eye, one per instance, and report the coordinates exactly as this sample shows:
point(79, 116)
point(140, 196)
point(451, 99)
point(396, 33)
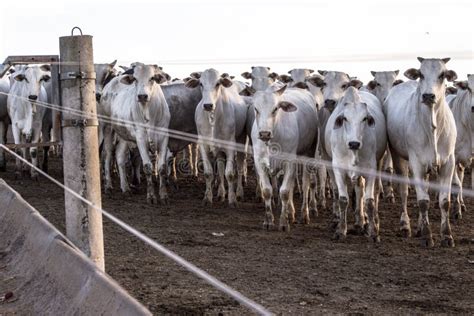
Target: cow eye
point(344, 86)
point(441, 77)
point(217, 85)
point(274, 111)
point(378, 84)
point(421, 76)
point(256, 111)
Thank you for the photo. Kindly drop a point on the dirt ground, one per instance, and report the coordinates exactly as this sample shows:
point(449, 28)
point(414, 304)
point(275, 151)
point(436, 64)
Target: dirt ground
point(301, 272)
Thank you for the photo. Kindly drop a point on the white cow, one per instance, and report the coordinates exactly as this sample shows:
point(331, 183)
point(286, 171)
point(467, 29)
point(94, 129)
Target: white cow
point(26, 115)
point(422, 133)
point(220, 115)
point(380, 86)
point(4, 118)
point(261, 78)
point(143, 103)
point(285, 126)
point(462, 105)
point(355, 137)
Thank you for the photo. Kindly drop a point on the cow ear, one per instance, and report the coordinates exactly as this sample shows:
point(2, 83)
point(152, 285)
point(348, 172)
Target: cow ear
point(112, 64)
point(397, 72)
point(226, 82)
point(45, 67)
point(285, 78)
point(420, 59)
point(462, 84)
point(372, 84)
point(451, 90)
point(45, 78)
point(373, 73)
point(339, 121)
point(160, 78)
point(19, 77)
point(192, 83)
point(11, 70)
point(127, 79)
point(232, 77)
point(355, 83)
point(322, 72)
point(450, 75)
point(186, 79)
point(316, 81)
point(370, 121)
point(310, 71)
point(397, 82)
point(301, 85)
point(195, 75)
point(412, 73)
point(246, 75)
point(445, 60)
point(273, 75)
point(247, 91)
point(281, 90)
point(287, 106)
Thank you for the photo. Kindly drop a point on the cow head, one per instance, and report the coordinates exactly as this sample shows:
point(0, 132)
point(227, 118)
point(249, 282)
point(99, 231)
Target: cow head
point(144, 79)
point(382, 83)
point(103, 74)
point(32, 79)
point(268, 106)
point(334, 86)
point(261, 77)
point(431, 77)
point(353, 120)
point(299, 77)
point(211, 83)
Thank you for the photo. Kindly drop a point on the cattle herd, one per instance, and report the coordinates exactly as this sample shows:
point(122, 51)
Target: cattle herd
point(287, 123)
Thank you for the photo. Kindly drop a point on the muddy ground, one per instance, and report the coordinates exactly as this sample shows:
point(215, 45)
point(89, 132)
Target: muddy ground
point(301, 272)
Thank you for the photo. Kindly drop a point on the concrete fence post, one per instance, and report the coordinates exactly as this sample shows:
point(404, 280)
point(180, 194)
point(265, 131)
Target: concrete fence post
point(80, 146)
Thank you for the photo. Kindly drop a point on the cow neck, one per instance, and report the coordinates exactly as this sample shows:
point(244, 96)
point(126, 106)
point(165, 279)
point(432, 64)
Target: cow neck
point(461, 108)
point(223, 112)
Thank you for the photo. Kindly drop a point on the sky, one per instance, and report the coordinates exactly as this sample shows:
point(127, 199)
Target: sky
point(185, 36)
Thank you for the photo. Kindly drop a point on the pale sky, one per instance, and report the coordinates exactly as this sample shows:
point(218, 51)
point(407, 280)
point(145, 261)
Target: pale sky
point(185, 36)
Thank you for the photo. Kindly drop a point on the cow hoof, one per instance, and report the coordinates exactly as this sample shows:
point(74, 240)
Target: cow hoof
point(447, 241)
point(267, 225)
point(333, 225)
point(405, 232)
point(390, 199)
point(164, 201)
point(35, 177)
point(206, 202)
point(463, 206)
point(258, 199)
point(356, 230)
point(417, 233)
point(285, 227)
point(18, 175)
point(108, 192)
point(339, 236)
point(426, 242)
point(375, 239)
point(233, 204)
point(151, 200)
point(457, 215)
point(304, 220)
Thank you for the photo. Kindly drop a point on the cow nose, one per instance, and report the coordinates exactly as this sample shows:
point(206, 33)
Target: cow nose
point(143, 97)
point(265, 135)
point(330, 104)
point(207, 106)
point(472, 109)
point(428, 97)
point(97, 96)
point(33, 97)
point(354, 145)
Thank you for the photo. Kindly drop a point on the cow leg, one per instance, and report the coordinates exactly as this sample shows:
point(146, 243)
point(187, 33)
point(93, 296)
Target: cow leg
point(335, 203)
point(371, 204)
point(456, 196)
point(388, 188)
point(291, 207)
point(34, 153)
point(241, 171)
point(285, 195)
point(322, 178)
point(46, 136)
point(108, 149)
point(401, 168)
point(340, 211)
point(162, 143)
point(360, 222)
point(461, 194)
point(445, 178)
point(196, 159)
point(221, 168)
point(304, 215)
point(204, 150)
point(423, 198)
point(17, 138)
point(313, 203)
point(230, 177)
point(121, 156)
point(3, 131)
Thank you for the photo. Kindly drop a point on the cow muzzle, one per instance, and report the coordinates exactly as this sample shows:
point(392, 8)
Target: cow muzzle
point(33, 97)
point(354, 145)
point(330, 105)
point(428, 99)
point(265, 136)
point(142, 98)
point(208, 106)
point(98, 96)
